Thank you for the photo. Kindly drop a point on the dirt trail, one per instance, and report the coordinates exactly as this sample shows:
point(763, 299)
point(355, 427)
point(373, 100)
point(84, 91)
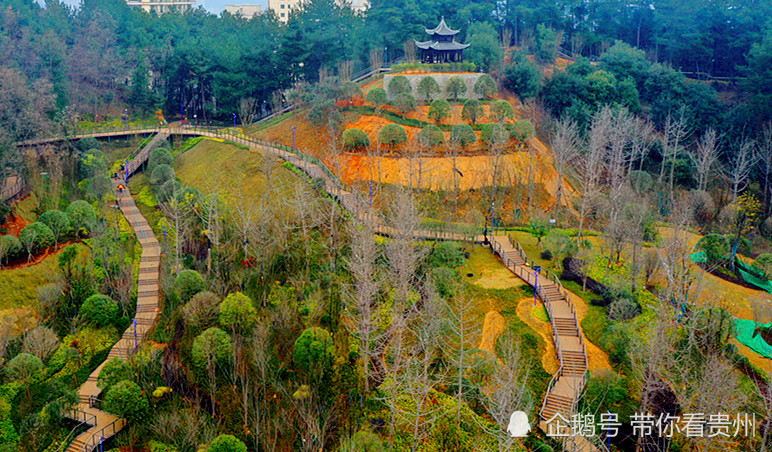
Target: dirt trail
point(550, 358)
point(493, 326)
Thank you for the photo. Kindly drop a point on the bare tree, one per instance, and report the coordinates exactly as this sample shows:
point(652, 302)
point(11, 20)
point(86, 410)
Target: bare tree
point(642, 139)
point(765, 157)
point(461, 324)
point(345, 70)
point(178, 209)
point(705, 155)
point(506, 390)
point(316, 420)
point(676, 130)
point(565, 149)
point(410, 50)
point(367, 281)
point(248, 110)
point(740, 166)
point(590, 166)
point(41, 342)
point(375, 57)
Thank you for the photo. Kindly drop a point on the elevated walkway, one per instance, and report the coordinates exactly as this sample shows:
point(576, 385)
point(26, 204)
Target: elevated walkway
point(567, 384)
point(104, 425)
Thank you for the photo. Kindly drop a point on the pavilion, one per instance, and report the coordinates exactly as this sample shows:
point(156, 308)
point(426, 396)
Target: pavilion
point(442, 47)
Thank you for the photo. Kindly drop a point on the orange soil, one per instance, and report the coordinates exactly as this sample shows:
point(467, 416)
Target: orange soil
point(14, 224)
point(436, 172)
point(493, 326)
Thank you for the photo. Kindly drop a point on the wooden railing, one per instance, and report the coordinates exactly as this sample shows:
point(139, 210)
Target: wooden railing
point(13, 190)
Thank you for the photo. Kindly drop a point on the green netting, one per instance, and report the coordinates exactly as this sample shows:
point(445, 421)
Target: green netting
point(746, 272)
point(745, 329)
point(699, 257)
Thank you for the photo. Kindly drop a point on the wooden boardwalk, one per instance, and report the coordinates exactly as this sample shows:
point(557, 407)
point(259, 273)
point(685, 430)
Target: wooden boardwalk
point(104, 425)
point(567, 384)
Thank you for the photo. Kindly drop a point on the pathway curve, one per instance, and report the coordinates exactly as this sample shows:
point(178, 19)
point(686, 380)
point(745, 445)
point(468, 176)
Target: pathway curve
point(567, 384)
point(105, 425)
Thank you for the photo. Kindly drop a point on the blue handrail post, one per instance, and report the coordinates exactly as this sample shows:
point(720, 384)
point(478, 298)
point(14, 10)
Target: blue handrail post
point(536, 269)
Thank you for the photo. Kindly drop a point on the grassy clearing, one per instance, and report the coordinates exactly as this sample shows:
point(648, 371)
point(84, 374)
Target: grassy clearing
point(19, 286)
point(229, 171)
point(25, 207)
point(487, 271)
point(266, 124)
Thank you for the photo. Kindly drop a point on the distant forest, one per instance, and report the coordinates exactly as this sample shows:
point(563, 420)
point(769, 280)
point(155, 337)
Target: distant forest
point(106, 56)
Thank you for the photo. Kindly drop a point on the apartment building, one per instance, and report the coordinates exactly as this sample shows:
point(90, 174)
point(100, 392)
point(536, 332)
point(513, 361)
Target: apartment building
point(162, 6)
point(284, 7)
point(247, 11)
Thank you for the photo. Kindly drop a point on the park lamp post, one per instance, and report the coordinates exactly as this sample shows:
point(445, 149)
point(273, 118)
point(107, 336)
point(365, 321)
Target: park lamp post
point(234, 123)
point(294, 148)
point(135, 334)
point(182, 114)
point(126, 118)
point(536, 269)
point(164, 228)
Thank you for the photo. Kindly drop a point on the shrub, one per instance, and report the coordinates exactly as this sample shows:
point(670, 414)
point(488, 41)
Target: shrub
point(716, 248)
point(485, 86)
point(91, 163)
point(189, 283)
point(161, 174)
point(405, 102)
point(355, 139)
point(623, 309)
point(314, 351)
point(445, 280)
point(366, 442)
point(10, 246)
point(447, 254)
point(202, 309)
point(439, 110)
point(522, 130)
point(523, 77)
point(36, 236)
point(99, 310)
point(501, 110)
point(392, 134)
point(227, 443)
point(431, 136)
point(462, 135)
point(377, 97)
point(114, 371)
point(160, 156)
point(399, 85)
point(428, 88)
point(82, 216)
point(58, 222)
point(456, 87)
point(213, 345)
point(40, 342)
point(167, 191)
point(126, 400)
point(547, 255)
point(472, 110)
point(238, 313)
point(84, 144)
point(493, 134)
point(763, 265)
point(23, 366)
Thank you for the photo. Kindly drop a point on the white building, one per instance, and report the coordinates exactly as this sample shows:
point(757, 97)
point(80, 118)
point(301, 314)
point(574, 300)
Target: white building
point(282, 8)
point(163, 6)
point(247, 11)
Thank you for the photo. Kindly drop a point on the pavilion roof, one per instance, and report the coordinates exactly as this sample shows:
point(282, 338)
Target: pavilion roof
point(435, 45)
point(442, 29)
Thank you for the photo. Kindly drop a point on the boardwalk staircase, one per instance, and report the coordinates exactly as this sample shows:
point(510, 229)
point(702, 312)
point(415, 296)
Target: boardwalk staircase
point(569, 381)
point(105, 425)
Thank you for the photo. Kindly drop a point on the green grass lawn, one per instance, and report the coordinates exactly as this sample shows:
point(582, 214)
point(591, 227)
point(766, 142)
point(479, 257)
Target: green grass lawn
point(229, 171)
point(19, 286)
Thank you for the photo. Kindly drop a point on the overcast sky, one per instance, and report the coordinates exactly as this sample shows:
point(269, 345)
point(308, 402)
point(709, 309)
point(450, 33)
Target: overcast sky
point(214, 6)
